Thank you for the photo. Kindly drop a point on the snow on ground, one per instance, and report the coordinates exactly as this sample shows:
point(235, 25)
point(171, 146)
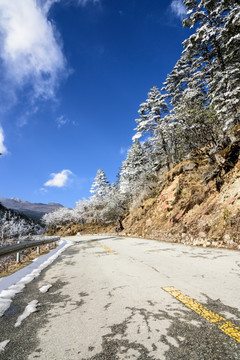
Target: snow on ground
point(45, 288)
point(3, 344)
point(13, 284)
point(29, 309)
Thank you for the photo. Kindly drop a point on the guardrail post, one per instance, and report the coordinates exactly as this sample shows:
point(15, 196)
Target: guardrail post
point(18, 255)
point(38, 250)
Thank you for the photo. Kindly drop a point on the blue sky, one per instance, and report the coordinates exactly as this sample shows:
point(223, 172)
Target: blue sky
point(73, 74)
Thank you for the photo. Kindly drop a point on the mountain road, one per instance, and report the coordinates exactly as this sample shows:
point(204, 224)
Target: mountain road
point(113, 298)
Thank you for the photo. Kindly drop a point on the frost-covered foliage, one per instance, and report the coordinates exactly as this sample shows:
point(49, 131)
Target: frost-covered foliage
point(200, 100)
point(100, 186)
point(216, 46)
point(151, 114)
point(210, 63)
point(59, 217)
point(105, 206)
point(154, 122)
point(15, 226)
point(136, 170)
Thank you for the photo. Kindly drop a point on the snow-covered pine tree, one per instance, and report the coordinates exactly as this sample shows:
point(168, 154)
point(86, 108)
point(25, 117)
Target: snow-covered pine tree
point(115, 204)
point(153, 123)
point(135, 170)
point(151, 113)
point(204, 86)
point(215, 48)
point(230, 39)
point(100, 185)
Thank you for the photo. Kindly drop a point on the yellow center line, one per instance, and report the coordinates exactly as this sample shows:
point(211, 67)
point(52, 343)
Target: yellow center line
point(223, 324)
point(106, 248)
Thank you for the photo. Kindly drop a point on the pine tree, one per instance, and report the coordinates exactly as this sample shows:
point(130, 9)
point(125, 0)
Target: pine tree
point(151, 113)
point(215, 49)
point(204, 87)
point(100, 185)
point(134, 170)
point(154, 123)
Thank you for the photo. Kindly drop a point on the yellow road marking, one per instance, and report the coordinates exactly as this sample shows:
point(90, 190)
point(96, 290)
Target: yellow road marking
point(224, 325)
point(105, 247)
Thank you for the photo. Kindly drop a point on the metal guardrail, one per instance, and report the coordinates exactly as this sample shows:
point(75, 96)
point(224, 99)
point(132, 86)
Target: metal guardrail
point(16, 248)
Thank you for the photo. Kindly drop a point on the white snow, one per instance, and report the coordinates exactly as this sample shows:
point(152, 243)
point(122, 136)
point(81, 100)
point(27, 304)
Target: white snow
point(29, 309)
point(3, 344)
point(45, 288)
point(13, 284)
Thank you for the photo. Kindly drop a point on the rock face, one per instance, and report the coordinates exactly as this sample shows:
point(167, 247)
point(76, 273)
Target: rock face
point(191, 210)
point(32, 210)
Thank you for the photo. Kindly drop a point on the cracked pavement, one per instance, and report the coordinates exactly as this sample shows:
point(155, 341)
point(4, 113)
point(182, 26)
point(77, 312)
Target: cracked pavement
point(107, 303)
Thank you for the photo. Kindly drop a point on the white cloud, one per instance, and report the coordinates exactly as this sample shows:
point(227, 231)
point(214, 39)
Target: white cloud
point(178, 8)
point(31, 55)
point(60, 179)
point(29, 47)
point(85, 2)
point(47, 4)
point(61, 121)
point(43, 190)
point(3, 148)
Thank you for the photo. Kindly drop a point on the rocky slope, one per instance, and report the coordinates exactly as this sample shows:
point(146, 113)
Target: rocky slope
point(197, 203)
point(186, 209)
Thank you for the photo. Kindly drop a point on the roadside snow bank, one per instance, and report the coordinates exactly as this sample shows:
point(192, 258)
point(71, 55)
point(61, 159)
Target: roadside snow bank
point(13, 284)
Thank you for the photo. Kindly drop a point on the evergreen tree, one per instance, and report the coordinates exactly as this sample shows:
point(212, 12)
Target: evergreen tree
point(134, 170)
point(215, 49)
point(151, 113)
point(100, 185)
point(154, 122)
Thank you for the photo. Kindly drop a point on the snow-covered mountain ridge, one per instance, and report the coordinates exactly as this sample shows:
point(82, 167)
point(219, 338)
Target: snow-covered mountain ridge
point(32, 210)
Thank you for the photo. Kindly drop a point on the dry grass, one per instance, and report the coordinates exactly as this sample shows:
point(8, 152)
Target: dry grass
point(11, 266)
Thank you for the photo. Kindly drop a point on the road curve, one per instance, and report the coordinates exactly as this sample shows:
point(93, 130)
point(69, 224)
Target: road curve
point(119, 298)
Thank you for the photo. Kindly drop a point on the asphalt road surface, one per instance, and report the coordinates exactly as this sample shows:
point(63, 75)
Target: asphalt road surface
point(118, 298)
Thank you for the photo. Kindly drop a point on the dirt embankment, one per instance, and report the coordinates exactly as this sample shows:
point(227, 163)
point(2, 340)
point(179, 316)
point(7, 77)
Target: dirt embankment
point(186, 209)
point(83, 229)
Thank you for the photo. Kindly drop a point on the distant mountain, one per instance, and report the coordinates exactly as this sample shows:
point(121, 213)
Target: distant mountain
point(32, 210)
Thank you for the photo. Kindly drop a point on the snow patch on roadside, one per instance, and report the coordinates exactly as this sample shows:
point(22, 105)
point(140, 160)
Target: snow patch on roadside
point(45, 288)
point(13, 284)
point(29, 309)
point(3, 344)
